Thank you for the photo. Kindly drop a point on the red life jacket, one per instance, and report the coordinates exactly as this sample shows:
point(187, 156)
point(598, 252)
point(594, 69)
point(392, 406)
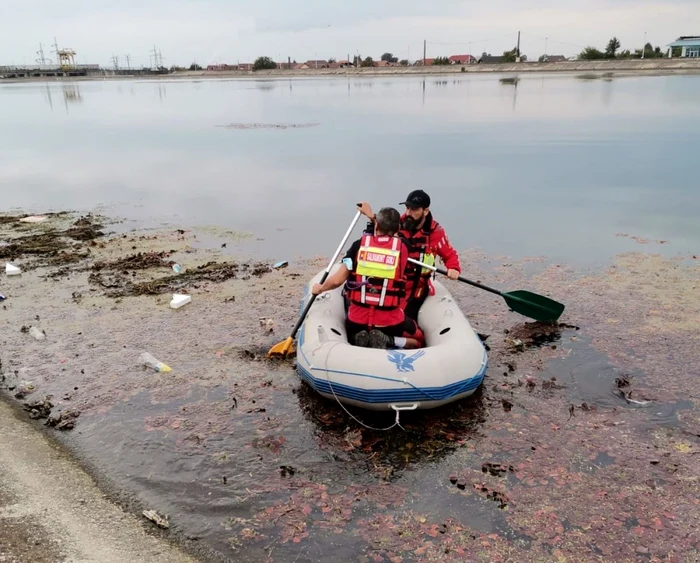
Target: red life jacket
point(378, 279)
point(418, 244)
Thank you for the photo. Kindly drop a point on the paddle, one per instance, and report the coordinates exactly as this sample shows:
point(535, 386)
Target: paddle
point(286, 347)
point(526, 303)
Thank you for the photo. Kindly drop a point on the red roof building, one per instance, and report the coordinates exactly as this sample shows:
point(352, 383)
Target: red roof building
point(462, 60)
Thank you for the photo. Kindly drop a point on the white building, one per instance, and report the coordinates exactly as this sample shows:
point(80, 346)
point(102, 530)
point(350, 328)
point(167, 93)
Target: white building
point(689, 45)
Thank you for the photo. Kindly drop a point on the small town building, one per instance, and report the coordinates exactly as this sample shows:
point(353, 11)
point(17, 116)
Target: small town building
point(553, 58)
point(462, 60)
point(490, 60)
point(317, 64)
point(220, 67)
point(689, 46)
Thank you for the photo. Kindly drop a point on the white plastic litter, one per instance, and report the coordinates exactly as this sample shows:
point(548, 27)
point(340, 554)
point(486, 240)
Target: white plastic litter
point(11, 270)
point(155, 364)
point(179, 300)
point(36, 333)
point(34, 219)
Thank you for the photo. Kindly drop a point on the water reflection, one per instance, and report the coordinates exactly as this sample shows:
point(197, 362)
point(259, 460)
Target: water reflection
point(162, 92)
point(71, 94)
point(564, 192)
point(47, 93)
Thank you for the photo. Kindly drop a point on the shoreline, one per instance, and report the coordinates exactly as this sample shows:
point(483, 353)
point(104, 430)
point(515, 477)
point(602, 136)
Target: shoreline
point(652, 67)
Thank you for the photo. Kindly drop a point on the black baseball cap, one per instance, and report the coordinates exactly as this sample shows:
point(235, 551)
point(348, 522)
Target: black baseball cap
point(417, 198)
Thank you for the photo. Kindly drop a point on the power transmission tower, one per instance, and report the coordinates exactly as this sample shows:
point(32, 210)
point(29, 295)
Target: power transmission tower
point(128, 62)
point(115, 61)
point(424, 49)
point(42, 60)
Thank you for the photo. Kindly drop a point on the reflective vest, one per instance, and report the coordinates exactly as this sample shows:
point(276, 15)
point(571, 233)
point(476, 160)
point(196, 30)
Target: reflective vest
point(377, 279)
point(419, 249)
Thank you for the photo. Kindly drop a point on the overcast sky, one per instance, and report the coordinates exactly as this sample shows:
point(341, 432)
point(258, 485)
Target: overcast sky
point(230, 31)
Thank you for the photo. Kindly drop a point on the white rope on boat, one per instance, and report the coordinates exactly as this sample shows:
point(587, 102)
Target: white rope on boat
point(325, 367)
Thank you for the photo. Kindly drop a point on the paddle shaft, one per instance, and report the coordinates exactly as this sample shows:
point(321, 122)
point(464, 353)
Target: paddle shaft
point(326, 273)
point(460, 278)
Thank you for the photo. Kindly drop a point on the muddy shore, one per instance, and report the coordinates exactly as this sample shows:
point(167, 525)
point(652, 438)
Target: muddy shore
point(581, 445)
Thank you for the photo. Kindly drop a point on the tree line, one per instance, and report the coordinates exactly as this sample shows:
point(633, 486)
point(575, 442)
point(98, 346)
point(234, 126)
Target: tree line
point(612, 51)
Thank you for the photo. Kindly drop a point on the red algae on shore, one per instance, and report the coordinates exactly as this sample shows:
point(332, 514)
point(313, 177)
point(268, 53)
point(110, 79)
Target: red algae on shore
point(546, 462)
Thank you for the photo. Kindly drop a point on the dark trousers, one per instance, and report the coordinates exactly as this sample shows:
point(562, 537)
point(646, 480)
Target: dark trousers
point(414, 304)
point(407, 328)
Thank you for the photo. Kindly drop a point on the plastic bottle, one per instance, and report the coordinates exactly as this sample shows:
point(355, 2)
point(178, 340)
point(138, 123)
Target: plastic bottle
point(36, 333)
point(154, 364)
point(177, 268)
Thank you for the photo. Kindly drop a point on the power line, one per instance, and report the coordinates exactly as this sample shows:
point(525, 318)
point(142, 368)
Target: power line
point(476, 41)
point(549, 39)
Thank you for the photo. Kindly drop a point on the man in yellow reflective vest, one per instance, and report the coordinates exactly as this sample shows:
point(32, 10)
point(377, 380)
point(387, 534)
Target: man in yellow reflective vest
point(374, 273)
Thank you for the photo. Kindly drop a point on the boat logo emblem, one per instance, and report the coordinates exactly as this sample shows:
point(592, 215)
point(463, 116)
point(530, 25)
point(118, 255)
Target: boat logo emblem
point(404, 362)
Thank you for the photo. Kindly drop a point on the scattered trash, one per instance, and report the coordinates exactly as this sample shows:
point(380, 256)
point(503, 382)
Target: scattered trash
point(627, 396)
point(154, 364)
point(179, 300)
point(280, 265)
point(11, 270)
point(623, 381)
point(496, 469)
point(63, 421)
point(177, 268)
point(231, 299)
point(2, 297)
point(157, 519)
point(267, 323)
point(39, 409)
point(37, 334)
point(34, 219)
point(287, 470)
point(517, 344)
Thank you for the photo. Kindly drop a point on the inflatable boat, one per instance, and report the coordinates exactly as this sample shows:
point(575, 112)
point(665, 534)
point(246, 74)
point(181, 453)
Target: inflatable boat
point(449, 368)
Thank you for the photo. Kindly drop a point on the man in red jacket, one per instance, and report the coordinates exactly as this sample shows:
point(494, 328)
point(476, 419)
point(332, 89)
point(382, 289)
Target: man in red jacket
point(425, 239)
point(374, 273)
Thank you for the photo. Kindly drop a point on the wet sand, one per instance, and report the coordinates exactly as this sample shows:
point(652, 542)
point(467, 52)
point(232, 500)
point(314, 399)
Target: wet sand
point(581, 444)
point(51, 511)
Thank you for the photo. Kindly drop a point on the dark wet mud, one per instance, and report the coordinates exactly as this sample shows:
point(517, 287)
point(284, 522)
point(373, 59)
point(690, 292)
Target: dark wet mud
point(582, 444)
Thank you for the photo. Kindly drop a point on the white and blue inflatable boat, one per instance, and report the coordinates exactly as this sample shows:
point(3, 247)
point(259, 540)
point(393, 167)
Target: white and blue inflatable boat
point(449, 368)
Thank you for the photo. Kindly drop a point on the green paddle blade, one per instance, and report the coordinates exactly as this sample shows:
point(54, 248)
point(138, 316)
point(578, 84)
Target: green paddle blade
point(535, 306)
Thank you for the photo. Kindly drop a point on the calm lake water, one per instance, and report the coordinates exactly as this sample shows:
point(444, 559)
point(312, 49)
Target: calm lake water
point(555, 165)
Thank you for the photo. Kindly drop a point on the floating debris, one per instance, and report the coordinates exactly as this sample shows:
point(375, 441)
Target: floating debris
point(33, 219)
point(268, 125)
point(180, 300)
point(39, 409)
point(157, 519)
point(63, 421)
point(11, 270)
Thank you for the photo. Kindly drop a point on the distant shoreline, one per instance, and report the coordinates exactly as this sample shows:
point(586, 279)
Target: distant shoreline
point(618, 67)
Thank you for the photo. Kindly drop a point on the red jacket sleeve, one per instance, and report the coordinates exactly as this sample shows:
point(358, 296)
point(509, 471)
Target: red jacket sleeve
point(442, 247)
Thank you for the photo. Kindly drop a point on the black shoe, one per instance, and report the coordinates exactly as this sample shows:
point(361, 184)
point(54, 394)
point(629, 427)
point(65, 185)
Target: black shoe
point(377, 339)
point(362, 339)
